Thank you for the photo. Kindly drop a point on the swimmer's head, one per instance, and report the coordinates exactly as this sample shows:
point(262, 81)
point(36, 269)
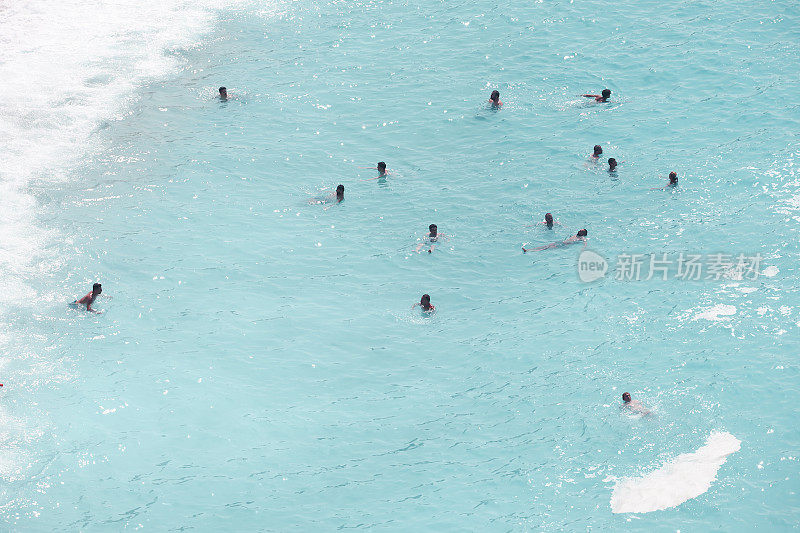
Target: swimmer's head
point(606, 93)
point(425, 301)
point(673, 178)
point(223, 92)
point(612, 163)
point(597, 150)
point(548, 219)
point(340, 191)
point(495, 97)
point(382, 167)
point(433, 229)
point(583, 233)
point(97, 288)
point(626, 397)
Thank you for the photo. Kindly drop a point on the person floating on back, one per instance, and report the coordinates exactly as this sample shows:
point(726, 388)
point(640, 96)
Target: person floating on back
point(602, 97)
point(495, 99)
point(425, 304)
point(432, 236)
point(223, 93)
point(598, 151)
point(89, 299)
point(579, 237)
point(673, 182)
point(634, 405)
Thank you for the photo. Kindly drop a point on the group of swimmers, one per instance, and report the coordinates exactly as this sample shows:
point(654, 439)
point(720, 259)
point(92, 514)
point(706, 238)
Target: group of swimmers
point(433, 235)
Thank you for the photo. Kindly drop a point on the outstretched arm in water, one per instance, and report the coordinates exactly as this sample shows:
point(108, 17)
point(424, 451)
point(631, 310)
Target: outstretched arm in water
point(377, 177)
point(540, 248)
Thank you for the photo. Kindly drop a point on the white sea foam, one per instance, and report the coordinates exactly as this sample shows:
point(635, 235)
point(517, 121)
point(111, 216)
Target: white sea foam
point(771, 271)
point(687, 476)
point(716, 313)
point(66, 67)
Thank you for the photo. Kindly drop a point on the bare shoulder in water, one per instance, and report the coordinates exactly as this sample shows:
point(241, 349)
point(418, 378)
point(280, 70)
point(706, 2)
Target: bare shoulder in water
point(432, 238)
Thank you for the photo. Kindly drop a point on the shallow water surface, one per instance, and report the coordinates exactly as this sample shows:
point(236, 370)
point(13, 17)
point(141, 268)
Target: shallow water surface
point(257, 364)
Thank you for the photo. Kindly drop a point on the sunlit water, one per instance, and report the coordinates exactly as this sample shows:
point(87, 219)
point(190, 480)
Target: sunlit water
point(257, 364)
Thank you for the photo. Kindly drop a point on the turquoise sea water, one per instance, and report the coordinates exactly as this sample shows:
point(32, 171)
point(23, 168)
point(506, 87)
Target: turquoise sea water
point(257, 365)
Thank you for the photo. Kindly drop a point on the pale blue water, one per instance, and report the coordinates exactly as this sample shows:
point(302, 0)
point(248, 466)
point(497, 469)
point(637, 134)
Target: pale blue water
point(258, 366)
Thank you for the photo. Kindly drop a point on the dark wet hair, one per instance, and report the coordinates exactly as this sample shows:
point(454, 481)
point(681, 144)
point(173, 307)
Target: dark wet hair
point(548, 217)
point(97, 287)
point(606, 93)
point(583, 233)
point(433, 227)
point(612, 162)
point(381, 166)
point(495, 96)
point(598, 149)
point(425, 301)
point(223, 89)
point(673, 177)
point(339, 189)
point(626, 397)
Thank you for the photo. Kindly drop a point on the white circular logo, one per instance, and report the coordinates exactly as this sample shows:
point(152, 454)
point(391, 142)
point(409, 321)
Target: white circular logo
point(591, 266)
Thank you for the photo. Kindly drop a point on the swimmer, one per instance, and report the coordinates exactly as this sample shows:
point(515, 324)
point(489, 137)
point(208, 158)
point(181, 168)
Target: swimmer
point(634, 405)
point(433, 238)
point(223, 93)
point(425, 304)
point(90, 298)
point(495, 99)
point(548, 221)
point(612, 164)
point(673, 182)
point(579, 237)
point(336, 197)
point(382, 171)
point(339, 197)
point(602, 97)
point(598, 151)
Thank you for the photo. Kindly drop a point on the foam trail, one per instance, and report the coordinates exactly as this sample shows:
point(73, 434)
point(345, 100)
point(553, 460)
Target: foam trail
point(687, 476)
point(67, 68)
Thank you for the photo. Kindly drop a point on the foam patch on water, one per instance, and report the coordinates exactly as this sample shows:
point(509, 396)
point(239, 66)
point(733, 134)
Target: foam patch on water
point(687, 476)
point(716, 313)
point(771, 271)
